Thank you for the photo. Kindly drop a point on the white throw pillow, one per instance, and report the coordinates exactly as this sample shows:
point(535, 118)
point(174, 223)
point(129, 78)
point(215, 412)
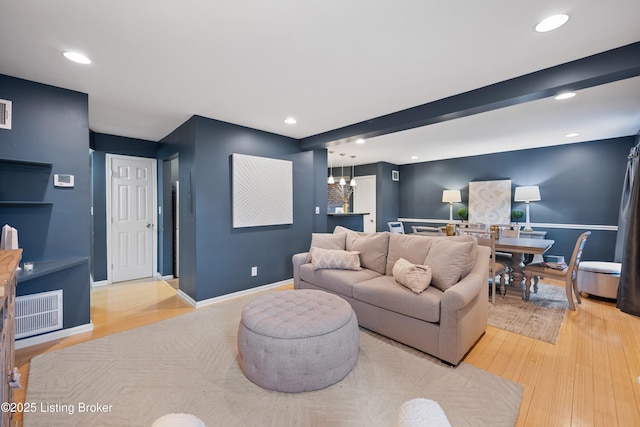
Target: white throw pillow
point(412, 276)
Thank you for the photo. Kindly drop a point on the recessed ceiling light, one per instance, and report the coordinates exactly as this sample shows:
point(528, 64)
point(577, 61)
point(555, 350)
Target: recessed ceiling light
point(360, 141)
point(290, 121)
point(552, 22)
point(414, 157)
point(77, 57)
point(572, 135)
point(565, 95)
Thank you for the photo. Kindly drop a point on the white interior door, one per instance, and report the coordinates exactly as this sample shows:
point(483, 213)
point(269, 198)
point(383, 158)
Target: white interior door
point(364, 200)
point(132, 249)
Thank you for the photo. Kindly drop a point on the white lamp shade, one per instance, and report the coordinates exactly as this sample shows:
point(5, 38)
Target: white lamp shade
point(527, 194)
point(451, 196)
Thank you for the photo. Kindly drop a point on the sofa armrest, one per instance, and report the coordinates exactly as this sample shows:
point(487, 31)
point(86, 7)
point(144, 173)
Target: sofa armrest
point(464, 311)
point(298, 260)
point(467, 289)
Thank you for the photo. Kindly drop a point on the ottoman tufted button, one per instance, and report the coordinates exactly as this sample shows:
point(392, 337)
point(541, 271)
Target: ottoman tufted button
point(308, 340)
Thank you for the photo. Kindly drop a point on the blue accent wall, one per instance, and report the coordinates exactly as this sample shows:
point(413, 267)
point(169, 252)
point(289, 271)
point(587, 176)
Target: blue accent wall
point(579, 184)
point(215, 258)
point(50, 125)
point(387, 192)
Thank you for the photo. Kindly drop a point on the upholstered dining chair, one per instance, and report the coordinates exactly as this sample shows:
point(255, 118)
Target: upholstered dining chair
point(487, 238)
point(432, 231)
point(568, 275)
point(396, 227)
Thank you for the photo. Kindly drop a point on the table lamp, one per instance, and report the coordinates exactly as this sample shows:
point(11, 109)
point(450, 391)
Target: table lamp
point(527, 194)
point(451, 197)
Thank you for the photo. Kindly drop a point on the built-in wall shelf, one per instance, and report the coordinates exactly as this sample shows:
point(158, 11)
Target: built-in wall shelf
point(29, 181)
point(23, 203)
point(42, 268)
point(24, 163)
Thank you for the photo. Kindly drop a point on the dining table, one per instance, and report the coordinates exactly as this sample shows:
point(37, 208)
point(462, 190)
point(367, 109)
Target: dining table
point(519, 247)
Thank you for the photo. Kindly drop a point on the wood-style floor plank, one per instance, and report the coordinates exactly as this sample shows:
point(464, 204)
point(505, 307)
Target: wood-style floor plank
point(589, 377)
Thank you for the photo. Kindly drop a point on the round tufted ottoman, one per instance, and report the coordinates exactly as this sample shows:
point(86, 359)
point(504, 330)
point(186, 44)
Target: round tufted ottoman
point(301, 340)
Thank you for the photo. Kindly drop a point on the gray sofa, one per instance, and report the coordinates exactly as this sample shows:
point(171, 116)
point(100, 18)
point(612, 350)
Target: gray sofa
point(445, 320)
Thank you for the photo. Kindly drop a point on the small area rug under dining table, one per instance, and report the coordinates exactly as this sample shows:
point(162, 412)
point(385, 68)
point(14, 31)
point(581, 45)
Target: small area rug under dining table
point(540, 317)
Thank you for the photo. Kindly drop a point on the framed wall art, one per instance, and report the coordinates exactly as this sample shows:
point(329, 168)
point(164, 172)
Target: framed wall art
point(262, 191)
point(490, 202)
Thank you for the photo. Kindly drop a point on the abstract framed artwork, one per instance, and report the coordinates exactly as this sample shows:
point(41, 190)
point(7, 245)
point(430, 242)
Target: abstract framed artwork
point(490, 202)
point(262, 191)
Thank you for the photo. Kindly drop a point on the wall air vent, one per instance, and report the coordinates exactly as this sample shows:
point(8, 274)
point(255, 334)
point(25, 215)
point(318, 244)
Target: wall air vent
point(5, 114)
point(38, 313)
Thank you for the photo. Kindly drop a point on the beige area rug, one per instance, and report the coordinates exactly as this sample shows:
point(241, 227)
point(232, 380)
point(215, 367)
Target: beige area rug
point(188, 364)
point(540, 318)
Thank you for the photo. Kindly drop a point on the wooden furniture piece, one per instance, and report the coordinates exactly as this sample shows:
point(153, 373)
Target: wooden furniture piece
point(9, 261)
point(519, 247)
point(568, 275)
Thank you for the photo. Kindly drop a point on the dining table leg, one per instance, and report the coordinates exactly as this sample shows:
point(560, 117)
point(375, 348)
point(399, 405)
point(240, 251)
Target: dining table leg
point(518, 273)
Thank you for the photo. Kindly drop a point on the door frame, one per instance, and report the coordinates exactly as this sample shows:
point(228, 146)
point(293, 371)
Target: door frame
point(109, 194)
point(375, 179)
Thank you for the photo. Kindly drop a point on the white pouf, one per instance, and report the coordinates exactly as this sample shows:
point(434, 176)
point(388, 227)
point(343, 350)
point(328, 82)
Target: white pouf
point(178, 420)
point(599, 278)
point(421, 412)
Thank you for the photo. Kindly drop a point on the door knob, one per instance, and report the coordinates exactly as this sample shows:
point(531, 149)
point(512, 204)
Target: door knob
point(149, 225)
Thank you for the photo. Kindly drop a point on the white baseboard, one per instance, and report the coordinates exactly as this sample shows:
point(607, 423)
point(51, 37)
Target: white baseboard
point(167, 277)
point(221, 298)
point(55, 335)
point(99, 283)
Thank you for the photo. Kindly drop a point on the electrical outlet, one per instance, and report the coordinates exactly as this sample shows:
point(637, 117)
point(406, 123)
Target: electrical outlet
point(254, 271)
point(317, 210)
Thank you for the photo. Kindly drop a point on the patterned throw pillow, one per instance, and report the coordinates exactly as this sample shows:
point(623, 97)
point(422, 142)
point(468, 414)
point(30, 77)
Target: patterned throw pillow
point(415, 277)
point(335, 258)
point(326, 241)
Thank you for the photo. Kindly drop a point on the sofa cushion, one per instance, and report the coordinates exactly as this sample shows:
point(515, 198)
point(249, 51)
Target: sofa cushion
point(338, 281)
point(385, 292)
point(335, 258)
point(450, 259)
point(412, 248)
point(327, 241)
point(372, 247)
point(412, 276)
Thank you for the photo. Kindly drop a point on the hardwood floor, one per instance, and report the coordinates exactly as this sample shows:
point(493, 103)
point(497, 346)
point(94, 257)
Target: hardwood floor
point(589, 378)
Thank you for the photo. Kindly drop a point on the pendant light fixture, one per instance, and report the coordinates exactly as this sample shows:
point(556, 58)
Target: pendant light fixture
point(353, 176)
point(331, 180)
point(342, 181)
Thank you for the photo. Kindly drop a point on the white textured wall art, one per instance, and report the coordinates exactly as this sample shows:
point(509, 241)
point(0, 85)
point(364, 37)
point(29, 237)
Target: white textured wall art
point(490, 202)
point(262, 191)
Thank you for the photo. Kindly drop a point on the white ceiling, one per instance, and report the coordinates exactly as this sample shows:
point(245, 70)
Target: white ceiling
point(329, 64)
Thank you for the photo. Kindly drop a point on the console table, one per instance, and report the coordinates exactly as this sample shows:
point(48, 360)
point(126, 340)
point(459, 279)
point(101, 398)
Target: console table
point(9, 261)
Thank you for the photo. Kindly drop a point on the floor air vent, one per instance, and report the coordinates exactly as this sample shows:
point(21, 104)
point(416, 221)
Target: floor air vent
point(38, 313)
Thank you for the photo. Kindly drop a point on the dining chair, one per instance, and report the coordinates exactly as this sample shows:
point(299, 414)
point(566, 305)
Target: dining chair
point(488, 239)
point(508, 230)
point(430, 231)
point(396, 227)
point(568, 274)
